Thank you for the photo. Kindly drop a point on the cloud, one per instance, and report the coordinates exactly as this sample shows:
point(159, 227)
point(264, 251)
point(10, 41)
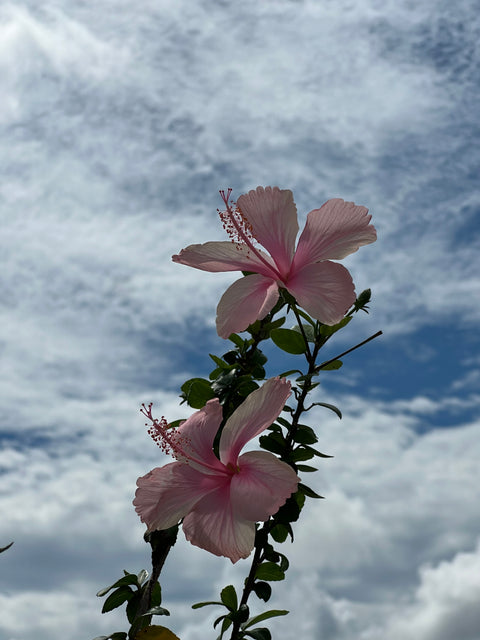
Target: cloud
point(118, 128)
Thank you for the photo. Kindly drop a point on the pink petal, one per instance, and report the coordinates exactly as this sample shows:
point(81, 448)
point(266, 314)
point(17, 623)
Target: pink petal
point(197, 434)
point(324, 289)
point(224, 256)
point(213, 526)
point(332, 232)
point(166, 494)
point(245, 301)
point(272, 215)
point(262, 485)
point(258, 411)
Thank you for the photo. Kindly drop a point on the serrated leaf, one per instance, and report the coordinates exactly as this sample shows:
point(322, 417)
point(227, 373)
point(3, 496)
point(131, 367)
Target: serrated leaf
point(156, 632)
point(117, 598)
point(306, 468)
point(289, 341)
point(229, 598)
point(270, 572)
point(274, 613)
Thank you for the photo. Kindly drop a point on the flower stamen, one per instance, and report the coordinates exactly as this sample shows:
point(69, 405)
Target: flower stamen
point(240, 230)
point(169, 440)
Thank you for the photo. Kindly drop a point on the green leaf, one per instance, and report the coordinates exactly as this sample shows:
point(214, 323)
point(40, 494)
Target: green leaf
point(289, 373)
point(219, 362)
point(307, 491)
point(241, 615)
point(156, 598)
point(237, 340)
point(284, 563)
point(280, 532)
point(218, 620)
point(246, 386)
point(302, 453)
point(129, 578)
point(117, 598)
point(262, 590)
point(273, 442)
point(197, 392)
point(305, 435)
point(229, 597)
point(331, 366)
point(327, 330)
point(265, 616)
point(289, 341)
point(132, 606)
point(332, 407)
point(157, 611)
point(143, 575)
point(306, 468)
point(262, 633)
point(285, 423)
point(270, 572)
point(199, 605)
point(308, 330)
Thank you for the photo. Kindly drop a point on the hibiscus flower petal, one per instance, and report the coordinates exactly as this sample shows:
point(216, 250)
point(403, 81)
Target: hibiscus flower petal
point(324, 289)
point(262, 485)
point(213, 526)
point(254, 415)
point(245, 301)
point(224, 256)
point(332, 232)
point(166, 494)
point(272, 215)
point(196, 436)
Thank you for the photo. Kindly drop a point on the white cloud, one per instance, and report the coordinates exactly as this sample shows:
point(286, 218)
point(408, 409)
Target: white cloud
point(119, 125)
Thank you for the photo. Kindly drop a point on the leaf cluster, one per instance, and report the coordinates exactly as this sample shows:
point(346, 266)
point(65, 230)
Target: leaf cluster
point(240, 614)
point(131, 589)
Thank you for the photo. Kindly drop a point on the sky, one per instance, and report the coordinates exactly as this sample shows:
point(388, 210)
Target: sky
point(119, 123)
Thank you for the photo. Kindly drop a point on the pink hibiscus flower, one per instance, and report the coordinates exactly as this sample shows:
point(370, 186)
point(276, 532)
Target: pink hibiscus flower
point(269, 216)
point(220, 499)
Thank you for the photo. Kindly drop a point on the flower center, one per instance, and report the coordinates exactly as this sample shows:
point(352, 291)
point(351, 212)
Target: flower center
point(233, 469)
point(172, 442)
point(240, 230)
